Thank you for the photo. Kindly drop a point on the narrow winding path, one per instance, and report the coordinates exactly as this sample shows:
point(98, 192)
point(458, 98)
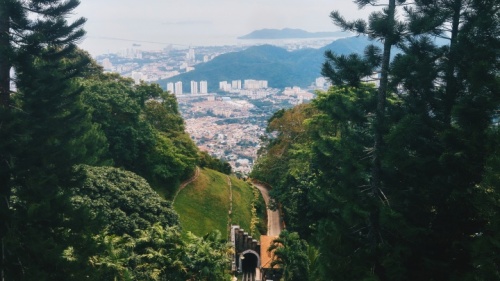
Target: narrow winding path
point(193, 178)
point(230, 212)
point(274, 225)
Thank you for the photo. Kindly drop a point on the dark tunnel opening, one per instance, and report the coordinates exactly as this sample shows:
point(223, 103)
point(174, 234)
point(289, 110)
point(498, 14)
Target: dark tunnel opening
point(249, 262)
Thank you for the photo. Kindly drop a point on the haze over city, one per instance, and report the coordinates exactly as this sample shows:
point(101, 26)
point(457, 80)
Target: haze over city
point(117, 24)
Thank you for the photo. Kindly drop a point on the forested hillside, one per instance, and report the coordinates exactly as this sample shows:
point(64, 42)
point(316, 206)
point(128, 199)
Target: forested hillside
point(87, 163)
point(393, 180)
point(398, 180)
point(266, 62)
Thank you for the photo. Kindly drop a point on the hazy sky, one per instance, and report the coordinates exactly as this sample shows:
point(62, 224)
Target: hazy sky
point(200, 22)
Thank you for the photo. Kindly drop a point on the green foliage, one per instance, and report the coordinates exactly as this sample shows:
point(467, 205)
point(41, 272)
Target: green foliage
point(255, 222)
point(291, 256)
point(443, 143)
point(485, 248)
point(349, 70)
point(61, 218)
point(341, 199)
point(169, 162)
point(53, 131)
point(208, 257)
point(419, 204)
point(111, 226)
point(144, 129)
point(174, 156)
point(289, 127)
point(54, 121)
point(28, 27)
point(282, 164)
point(24, 37)
point(159, 253)
point(136, 232)
point(120, 200)
point(210, 162)
point(111, 101)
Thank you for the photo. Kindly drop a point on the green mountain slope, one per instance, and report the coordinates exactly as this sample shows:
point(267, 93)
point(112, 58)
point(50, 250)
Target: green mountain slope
point(280, 67)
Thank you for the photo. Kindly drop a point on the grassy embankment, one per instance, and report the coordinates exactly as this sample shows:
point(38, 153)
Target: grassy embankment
point(203, 205)
point(249, 208)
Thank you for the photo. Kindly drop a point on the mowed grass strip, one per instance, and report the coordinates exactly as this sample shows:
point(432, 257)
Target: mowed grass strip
point(242, 203)
point(203, 205)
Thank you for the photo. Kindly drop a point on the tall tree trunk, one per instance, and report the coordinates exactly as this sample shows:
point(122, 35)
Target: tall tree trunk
point(5, 65)
point(451, 83)
point(376, 173)
point(5, 53)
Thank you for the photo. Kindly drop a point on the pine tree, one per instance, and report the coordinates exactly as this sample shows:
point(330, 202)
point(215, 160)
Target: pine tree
point(442, 138)
point(54, 133)
point(29, 26)
point(442, 19)
point(341, 202)
point(26, 27)
point(382, 26)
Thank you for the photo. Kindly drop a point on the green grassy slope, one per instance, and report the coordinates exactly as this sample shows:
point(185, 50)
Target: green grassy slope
point(242, 202)
point(203, 205)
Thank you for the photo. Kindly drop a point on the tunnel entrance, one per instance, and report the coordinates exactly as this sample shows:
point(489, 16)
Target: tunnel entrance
point(246, 259)
point(249, 265)
point(250, 262)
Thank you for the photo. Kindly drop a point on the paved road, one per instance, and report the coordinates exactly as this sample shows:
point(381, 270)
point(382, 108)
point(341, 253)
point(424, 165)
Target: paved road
point(273, 217)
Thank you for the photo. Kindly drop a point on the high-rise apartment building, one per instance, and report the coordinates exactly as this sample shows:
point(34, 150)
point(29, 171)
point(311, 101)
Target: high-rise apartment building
point(138, 77)
point(255, 84)
point(320, 82)
point(106, 64)
point(178, 88)
point(170, 87)
point(190, 56)
point(224, 86)
point(203, 87)
point(236, 84)
point(194, 87)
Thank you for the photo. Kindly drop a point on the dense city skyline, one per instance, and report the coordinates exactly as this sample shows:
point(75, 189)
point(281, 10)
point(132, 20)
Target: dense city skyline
point(114, 25)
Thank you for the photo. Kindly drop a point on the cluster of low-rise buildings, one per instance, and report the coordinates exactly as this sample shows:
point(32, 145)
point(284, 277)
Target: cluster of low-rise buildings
point(151, 66)
point(235, 143)
point(248, 84)
point(229, 123)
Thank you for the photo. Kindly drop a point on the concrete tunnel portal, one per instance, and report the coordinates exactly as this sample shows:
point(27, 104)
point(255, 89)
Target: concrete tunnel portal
point(249, 260)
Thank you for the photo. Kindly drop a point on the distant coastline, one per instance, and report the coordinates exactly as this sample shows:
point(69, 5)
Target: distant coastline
point(99, 45)
point(290, 33)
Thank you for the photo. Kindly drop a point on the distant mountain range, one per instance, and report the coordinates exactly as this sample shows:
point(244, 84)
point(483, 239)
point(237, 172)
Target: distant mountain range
point(278, 66)
point(289, 33)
